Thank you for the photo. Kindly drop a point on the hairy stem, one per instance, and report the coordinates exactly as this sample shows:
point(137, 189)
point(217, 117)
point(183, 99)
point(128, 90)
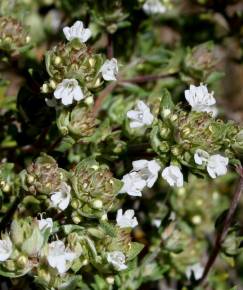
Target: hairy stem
point(224, 230)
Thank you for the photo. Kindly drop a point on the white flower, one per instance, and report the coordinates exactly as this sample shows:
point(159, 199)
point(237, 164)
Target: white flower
point(126, 220)
point(156, 222)
point(196, 269)
point(217, 165)
point(68, 91)
point(148, 170)
point(6, 248)
point(61, 198)
point(58, 256)
point(109, 70)
point(141, 116)
point(154, 7)
point(117, 259)
point(201, 156)
point(200, 99)
point(133, 184)
point(45, 224)
point(172, 174)
point(77, 31)
point(54, 18)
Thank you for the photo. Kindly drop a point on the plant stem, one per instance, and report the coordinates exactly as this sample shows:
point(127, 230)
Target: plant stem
point(101, 97)
point(223, 232)
point(110, 50)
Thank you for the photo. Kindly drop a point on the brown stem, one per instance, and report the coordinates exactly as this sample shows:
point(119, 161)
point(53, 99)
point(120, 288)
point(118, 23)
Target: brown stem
point(110, 50)
point(224, 230)
point(101, 97)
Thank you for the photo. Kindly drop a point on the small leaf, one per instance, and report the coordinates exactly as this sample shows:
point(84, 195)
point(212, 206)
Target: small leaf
point(134, 250)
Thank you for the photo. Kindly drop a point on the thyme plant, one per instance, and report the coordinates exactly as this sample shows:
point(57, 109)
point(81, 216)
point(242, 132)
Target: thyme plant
point(119, 158)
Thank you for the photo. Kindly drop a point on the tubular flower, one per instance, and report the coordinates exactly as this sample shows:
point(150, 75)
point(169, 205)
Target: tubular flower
point(141, 116)
point(133, 184)
point(58, 256)
point(68, 91)
point(148, 170)
point(117, 259)
point(77, 31)
point(109, 70)
point(61, 198)
point(217, 165)
point(200, 99)
point(172, 174)
point(6, 248)
point(126, 220)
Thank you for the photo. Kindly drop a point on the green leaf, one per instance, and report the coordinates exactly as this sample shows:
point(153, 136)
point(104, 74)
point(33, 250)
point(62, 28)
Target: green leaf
point(72, 228)
point(166, 104)
point(109, 229)
point(65, 144)
point(134, 250)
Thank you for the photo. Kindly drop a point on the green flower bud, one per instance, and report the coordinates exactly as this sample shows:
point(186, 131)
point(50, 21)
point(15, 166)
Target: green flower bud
point(201, 60)
point(76, 219)
point(43, 176)
point(13, 37)
point(164, 132)
point(22, 261)
point(176, 150)
point(97, 204)
point(10, 265)
point(164, 147)
point(32, 245)
point(80, 122)
point(44, 274)
point(94, 187)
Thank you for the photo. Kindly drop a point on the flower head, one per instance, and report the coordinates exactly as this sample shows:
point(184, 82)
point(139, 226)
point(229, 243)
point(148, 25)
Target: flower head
point(201, 156)
point(68, 91)
point(200, 99)
point(133, 184)
point(109, 70)
point(126, 220)
point(45, 224)
point(141, 116)
point(172, 174)
point(6, 248)
point(148, 170)
point(154, 7)
point(217, 165)
point(61, 198)
point(196, 269)
point(58, 256)
point(77, 31)
point(117, 259)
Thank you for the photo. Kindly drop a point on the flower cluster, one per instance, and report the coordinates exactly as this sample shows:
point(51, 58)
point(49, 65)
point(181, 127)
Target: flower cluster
point(73, 79)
